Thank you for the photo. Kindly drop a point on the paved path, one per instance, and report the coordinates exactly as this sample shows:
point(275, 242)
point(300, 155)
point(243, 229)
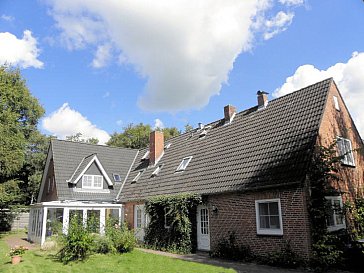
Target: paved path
point(239, 267)
point(14, 240)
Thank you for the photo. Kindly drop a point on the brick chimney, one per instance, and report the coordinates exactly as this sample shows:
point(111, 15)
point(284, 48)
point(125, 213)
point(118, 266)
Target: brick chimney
point(156, 146)
point(229, 112)
point(262, 99)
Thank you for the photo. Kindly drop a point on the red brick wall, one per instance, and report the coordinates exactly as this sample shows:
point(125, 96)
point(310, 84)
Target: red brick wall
point(236, 212)
point(156, 146)
point(339, 123)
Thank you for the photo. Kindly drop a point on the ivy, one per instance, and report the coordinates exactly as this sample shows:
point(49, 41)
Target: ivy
point(177, 234)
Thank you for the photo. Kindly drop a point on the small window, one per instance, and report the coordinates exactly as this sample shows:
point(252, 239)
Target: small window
point(167, 146)
point(156, 171)
point(136, 178)
point(183, 165)
point(345, 151)
point(92, 181)
point(335, 217)
point(269, 217)
point(336, 103)
point(167, 218)
point(117, 177)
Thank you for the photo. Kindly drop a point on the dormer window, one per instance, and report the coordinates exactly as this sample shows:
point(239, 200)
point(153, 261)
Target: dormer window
point(183, 165)
point(146, 155)
point(136, 178)
point(117, 177)
point(156, 171)
point(92, 181)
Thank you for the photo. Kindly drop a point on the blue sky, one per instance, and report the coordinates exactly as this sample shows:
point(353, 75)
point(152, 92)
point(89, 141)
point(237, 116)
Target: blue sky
point(97, 66)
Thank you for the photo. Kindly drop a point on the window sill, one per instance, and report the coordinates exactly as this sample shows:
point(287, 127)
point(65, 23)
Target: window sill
point(91, 190)
point(269, 232)
point(336, 228)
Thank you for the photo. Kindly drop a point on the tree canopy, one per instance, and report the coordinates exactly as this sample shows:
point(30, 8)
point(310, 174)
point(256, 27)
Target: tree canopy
point(137, 136)
point(20, 139)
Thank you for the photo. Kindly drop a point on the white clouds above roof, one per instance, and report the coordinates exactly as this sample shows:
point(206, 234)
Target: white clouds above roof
point(158, 124)
point(277, 24)
point(184, 49)
point(348, 76)
point(22, 52)
point(66, 122)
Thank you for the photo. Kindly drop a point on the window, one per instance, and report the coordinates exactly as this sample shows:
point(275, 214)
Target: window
point(146, 155)
point(167, 218)
point(335, 218)
point(139, 217)
point(345, 151)
point(269, 217)
point(92, 181)
point(117, 177)
point(167, 146)
point(49, 185)
point(204, 217)
point(136, 178)
point(336, 103)
point(156, 171)
point(183, 165)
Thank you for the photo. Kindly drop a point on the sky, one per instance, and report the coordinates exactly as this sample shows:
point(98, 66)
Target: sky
point(97, 66)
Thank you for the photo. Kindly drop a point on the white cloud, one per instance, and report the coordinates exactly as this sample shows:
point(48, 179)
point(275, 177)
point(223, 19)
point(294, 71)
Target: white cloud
point(22, 52)
point(66, 122)
point(102, 56)
point(277, 24)
point(292, 2)
point(185, 49)
point(158, 124)
point(348, 76)
point(8, 18)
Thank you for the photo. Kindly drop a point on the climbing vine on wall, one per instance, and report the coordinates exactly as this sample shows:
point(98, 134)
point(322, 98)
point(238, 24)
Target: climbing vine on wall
point(171, 222)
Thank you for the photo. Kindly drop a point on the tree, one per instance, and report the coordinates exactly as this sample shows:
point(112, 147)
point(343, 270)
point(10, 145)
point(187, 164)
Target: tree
point(19, 115)
point(78, 138)
point(137, 136)
point(188, 127)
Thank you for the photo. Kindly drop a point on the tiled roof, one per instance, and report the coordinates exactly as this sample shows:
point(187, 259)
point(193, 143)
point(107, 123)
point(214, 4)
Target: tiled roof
point(67, 157)
point(260, 148)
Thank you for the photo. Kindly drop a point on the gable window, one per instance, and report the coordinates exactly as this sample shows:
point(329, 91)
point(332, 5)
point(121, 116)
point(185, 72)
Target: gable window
point(345, 151)
point(336, 103)
point(269, 217)
point(183, 165)
point(335, 217)
point(92, 181)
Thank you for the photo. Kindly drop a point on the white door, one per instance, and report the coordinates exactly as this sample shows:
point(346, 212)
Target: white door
point(140, 222)
point(203, 228)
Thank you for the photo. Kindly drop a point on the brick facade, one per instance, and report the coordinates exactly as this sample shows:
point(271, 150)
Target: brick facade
point(236, 213)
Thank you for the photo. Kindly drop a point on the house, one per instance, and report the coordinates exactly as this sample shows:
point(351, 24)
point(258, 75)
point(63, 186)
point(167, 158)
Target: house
point(251, 167)
point(82, 179)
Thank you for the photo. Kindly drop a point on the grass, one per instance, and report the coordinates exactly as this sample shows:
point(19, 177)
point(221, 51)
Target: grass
point(39, 261)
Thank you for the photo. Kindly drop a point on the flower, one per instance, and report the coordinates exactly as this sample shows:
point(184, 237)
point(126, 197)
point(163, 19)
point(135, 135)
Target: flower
point(17, 251)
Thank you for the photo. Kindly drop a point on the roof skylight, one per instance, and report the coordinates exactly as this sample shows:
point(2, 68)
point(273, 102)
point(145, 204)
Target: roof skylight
point(146, 155)
point(117, 177)
point(183, 165)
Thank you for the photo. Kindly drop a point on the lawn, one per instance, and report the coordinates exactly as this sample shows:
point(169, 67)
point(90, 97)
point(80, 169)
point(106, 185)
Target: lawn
point(38, 261)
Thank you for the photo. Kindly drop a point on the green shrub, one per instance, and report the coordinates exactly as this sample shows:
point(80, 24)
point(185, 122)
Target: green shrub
point(122, 238)
point(102, 245)
point(286, 257)
point(77, 244)
point(230, 249)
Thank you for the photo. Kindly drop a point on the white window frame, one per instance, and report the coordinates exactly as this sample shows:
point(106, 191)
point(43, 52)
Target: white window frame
point(336, 226)
point(336, 103)
point(348, 156)
point(268, 231)
point(92, 182)
point(180, 166)
point(156, 171)
point(166, 218)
